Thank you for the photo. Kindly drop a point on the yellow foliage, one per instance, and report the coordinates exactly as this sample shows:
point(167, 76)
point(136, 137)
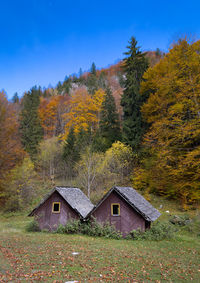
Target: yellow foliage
point(84, 110)
point(118, 161)
point(173, 110)
point(20, 185)
point(48, 114)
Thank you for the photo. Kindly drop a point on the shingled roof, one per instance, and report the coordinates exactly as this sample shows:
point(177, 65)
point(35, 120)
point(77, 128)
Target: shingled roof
point(74, 197)
point(138, 202)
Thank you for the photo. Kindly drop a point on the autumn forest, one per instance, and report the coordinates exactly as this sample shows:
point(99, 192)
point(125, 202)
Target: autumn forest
point(135, 123)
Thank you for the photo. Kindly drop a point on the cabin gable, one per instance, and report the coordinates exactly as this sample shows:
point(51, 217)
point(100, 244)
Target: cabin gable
point(127, 220)
point(50, 219)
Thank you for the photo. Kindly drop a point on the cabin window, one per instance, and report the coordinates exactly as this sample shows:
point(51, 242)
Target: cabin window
point(115, 209)
point(56, 207)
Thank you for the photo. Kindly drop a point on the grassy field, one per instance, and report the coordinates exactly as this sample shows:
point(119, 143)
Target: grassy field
point(45, 257)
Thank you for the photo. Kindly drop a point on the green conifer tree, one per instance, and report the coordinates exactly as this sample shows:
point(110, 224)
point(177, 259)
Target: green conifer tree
point(71, 154)
point(30, 127)
point(59, 87)
point(70, 151)
point(93, 70)
point(67, 84)
point(92, 81)
point(15, 98)
point(80, 73)
point(109, 120)
point(135, 64)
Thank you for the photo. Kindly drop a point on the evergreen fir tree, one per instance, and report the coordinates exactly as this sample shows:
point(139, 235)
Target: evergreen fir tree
point(30, 127)
point(135, 65)
point(80, 73)
point(92, 81)
point(70, 152)
point(15, 98)
point(67, 84)
point(84, 139)
point(59, 87)
point(109, 122)
point(121, 79)
point(45, 93)
point(93, 70)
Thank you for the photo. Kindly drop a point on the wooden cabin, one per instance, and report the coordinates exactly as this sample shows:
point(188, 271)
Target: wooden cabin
point(61, 205)
point(122, 207)
point(126, 209)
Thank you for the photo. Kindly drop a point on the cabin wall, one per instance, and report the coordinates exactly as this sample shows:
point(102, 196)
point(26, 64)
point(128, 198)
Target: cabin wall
point(128, 219)
point(49, 220)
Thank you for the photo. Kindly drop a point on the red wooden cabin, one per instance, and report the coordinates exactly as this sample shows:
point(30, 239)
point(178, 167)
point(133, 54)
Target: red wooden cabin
point(126, 209)
point(61, 205)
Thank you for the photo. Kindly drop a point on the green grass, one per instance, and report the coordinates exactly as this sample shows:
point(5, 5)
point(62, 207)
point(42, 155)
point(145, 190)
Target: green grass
point(45, 257)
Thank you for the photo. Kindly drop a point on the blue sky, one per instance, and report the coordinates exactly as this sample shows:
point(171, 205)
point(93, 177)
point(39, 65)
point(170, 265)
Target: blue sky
point(42, 41)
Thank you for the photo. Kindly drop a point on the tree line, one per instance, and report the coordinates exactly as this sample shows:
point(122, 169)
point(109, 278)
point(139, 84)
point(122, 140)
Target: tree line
point(136, 123)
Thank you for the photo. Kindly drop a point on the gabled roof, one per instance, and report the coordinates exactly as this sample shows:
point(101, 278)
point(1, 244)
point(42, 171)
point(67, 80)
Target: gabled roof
point(74, 197)
point(138, 202)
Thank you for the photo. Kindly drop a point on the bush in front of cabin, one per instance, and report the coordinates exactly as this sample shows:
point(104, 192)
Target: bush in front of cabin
point(33, 226)
point(159, 231)
point(72, 227)
point(90, 228)
point(96, 229)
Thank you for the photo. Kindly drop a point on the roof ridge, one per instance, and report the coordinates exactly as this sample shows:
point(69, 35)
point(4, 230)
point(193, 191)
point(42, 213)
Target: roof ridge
point(66, 187)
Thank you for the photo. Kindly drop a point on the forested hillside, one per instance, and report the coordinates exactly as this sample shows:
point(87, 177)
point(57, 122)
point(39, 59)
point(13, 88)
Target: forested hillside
point(134, 123)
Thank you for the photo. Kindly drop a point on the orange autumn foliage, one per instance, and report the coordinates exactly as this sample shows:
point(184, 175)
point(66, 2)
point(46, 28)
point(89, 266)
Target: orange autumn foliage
point(84, 110)
point(11, 152)
point(50, 113)
point(173, 111)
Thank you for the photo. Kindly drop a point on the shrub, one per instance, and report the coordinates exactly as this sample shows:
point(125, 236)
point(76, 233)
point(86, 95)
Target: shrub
point(33, 226)
point(73, 227)
point(136, 235)
point(91, 228)
point(158, 231)
point(60, 229)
